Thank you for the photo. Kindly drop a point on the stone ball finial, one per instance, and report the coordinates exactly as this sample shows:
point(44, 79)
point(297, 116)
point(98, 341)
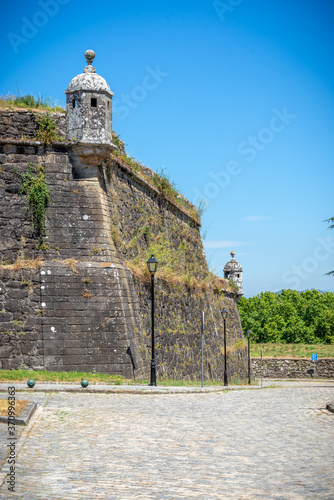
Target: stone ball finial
point(89, 55)
point(233, 254)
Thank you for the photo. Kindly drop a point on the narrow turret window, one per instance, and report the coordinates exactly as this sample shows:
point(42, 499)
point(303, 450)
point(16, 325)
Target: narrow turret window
point(74, 103)
point(93, 102)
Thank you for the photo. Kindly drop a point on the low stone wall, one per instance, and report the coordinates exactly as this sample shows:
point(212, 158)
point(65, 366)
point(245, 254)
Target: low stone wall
point(293, 368)
point(24, 124)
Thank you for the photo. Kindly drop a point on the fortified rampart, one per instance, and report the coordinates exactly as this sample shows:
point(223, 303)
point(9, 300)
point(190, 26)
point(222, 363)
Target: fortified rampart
point(79, 299)
point(82, 308)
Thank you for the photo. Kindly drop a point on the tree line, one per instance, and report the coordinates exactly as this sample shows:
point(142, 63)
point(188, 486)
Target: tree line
point(289, 317)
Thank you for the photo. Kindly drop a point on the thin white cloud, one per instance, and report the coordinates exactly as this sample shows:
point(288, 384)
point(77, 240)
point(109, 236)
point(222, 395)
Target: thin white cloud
point(225, 244)
point(257, 218)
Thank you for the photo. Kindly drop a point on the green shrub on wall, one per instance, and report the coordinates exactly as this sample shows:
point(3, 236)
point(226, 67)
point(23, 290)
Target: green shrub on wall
point(47, 131)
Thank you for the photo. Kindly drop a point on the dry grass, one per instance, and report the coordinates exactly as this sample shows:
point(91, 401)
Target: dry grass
point(23, 264)
point(13, 107)
point(160, 183)
point(41, 104)
point(222, 284)
point(240, 345)
point(19, 407)
point(139, 271)
point(172, 277)
point(71, 263)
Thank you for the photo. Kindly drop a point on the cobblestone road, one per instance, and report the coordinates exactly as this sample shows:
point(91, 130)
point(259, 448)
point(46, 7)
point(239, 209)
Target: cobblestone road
point(263, 444)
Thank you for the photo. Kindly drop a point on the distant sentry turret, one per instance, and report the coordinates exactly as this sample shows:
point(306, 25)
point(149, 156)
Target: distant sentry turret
point(233, 271)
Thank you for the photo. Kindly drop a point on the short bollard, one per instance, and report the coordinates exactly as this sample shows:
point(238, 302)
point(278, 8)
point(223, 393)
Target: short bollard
point(84, 383)
point(31, 383)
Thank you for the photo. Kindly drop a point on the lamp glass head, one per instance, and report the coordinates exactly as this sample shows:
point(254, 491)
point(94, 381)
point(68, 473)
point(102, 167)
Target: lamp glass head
point(224, 313)
point(152, 264)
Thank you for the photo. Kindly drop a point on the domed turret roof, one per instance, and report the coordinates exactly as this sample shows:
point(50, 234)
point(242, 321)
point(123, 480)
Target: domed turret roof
point(232, 265)
point(89, 79)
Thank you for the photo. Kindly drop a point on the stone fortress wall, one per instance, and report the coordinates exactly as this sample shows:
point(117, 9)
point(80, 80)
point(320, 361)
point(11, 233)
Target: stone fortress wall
point(81, 301)
point(83, 308)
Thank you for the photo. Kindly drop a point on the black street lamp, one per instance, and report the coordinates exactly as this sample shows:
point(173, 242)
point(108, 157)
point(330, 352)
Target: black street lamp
point(224, 314)
point(249, 370)
point(152, 265)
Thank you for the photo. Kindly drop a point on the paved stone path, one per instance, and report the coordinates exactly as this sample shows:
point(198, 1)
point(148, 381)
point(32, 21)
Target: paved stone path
point(272, 443)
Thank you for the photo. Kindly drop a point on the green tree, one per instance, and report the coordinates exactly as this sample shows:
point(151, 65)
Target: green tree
point(289, 317)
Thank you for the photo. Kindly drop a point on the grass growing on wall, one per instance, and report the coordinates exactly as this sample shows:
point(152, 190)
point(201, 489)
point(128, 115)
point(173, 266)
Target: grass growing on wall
point(173, 263)
point(176, 245)
point(160, 181)
point(175, 266)
point(30, 102)
point(22, 263)
point(172, 271)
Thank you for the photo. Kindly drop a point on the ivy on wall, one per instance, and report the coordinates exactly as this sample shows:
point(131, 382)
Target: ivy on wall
point(34, 185)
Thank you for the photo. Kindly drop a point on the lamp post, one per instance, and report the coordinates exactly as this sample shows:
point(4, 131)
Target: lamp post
point(152, 265)
point(224, 314)
point(249, 370)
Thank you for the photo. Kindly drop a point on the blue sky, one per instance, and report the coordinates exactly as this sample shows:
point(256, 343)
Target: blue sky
point(233, 98)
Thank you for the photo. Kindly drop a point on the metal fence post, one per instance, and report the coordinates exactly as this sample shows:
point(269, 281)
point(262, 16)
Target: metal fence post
point(202, 349)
